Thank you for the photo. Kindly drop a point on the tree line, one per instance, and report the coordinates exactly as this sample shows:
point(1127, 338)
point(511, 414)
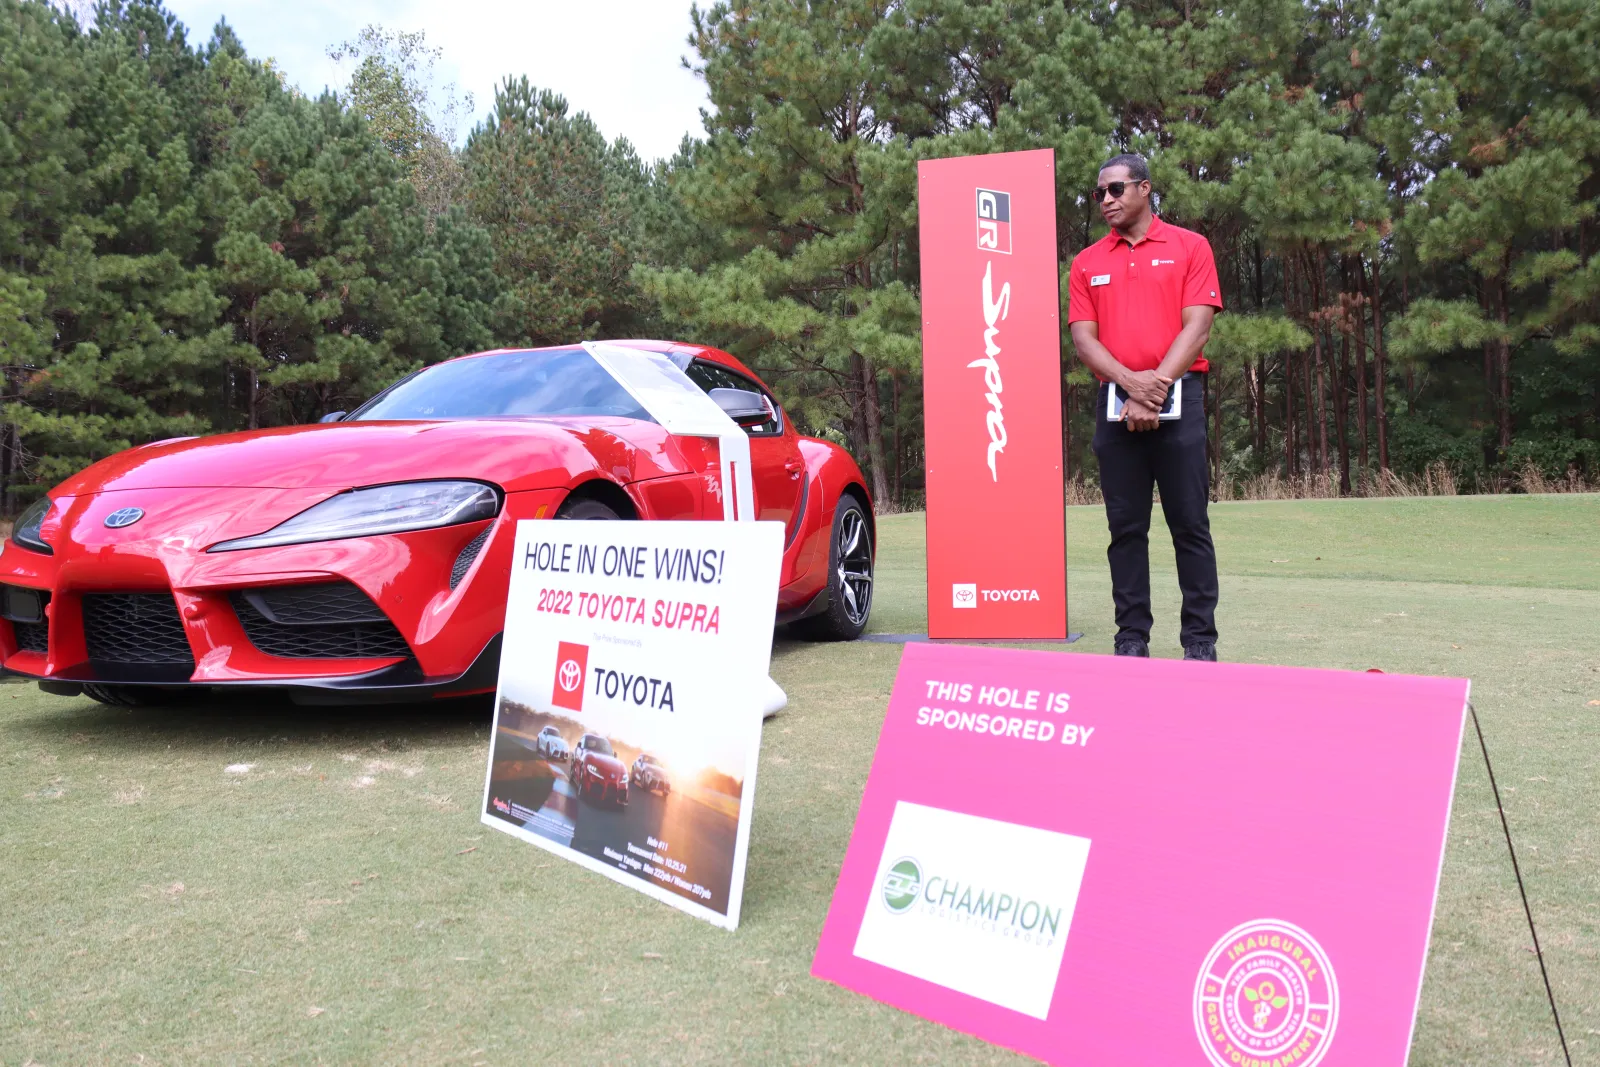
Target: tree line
point(1401, 198)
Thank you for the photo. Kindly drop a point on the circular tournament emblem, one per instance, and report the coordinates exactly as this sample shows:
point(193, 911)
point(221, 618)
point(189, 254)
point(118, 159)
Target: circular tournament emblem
point(1266, 993)
point(569, 675)
point(124, 517)
point(901, 884)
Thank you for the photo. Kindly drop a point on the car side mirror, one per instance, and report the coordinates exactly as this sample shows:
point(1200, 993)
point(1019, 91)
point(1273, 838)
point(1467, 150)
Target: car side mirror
point(744, 406)
point(333, 416)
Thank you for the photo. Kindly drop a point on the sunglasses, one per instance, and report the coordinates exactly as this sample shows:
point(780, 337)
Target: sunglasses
point(1116, 189)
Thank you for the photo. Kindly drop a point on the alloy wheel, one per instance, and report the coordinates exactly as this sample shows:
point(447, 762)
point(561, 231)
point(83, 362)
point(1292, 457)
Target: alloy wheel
point(855, 566)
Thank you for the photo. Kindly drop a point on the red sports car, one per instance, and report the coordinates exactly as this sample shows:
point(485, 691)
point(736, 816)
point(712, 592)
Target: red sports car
point(596, 772)
point(367, 558)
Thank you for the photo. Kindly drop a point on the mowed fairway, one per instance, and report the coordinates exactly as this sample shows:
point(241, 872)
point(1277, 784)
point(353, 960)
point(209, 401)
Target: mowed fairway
point(249, 882)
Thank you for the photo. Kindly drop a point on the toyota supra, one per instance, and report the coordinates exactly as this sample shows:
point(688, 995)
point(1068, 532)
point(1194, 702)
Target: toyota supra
point(366, 558)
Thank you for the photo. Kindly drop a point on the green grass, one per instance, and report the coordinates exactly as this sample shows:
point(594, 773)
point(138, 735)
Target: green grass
point(154, 905)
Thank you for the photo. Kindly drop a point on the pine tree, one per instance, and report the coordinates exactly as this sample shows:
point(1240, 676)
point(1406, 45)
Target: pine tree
point(813, 196)
point(561, 206)
point(189, 246)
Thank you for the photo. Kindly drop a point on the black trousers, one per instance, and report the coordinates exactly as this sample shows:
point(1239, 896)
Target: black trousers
point(1173, 457)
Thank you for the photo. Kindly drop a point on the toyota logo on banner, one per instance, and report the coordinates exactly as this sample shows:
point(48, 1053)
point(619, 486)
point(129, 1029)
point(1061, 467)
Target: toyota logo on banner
point(572, 664)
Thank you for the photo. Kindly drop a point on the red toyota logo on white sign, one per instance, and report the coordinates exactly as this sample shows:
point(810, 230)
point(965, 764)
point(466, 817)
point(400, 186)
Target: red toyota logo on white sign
point(572, 662)
point(570, 675)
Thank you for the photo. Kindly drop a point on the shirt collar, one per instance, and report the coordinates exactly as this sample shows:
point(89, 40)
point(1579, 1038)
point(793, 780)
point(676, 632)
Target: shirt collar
point(1156, 232)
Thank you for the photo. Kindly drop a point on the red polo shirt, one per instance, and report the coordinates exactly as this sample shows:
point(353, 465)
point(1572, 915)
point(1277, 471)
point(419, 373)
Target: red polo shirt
point(1137, 292)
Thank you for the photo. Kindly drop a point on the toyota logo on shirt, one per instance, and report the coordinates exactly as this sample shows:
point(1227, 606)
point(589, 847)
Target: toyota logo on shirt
point(572, 663)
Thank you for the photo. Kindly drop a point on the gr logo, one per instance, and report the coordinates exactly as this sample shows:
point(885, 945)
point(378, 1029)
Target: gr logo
point(964, 594)
point(994, 221)
point(572, 664)
point(901, 884)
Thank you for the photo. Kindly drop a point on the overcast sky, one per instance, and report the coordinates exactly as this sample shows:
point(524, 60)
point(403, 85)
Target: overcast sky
point(616, 59)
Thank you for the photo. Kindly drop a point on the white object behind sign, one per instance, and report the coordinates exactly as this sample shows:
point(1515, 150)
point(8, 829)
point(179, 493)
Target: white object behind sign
point(683, 408)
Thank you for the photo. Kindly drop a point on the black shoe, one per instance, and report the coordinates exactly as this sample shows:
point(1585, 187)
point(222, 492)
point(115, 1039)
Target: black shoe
point(1132, 646)
point(1203, 651)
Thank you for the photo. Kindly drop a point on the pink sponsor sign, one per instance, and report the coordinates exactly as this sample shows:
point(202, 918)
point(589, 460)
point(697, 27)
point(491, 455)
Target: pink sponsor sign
point(1113, 861)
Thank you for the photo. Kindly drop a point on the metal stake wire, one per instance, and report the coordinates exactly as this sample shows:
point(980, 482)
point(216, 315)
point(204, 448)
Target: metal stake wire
point(1517, 870)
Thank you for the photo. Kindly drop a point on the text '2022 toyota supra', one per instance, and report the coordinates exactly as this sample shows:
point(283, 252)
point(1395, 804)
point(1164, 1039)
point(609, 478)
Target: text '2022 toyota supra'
point(367, 558)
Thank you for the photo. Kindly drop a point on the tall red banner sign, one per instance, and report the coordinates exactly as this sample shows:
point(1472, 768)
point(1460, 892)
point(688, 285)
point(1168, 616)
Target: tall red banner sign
point(991, 373)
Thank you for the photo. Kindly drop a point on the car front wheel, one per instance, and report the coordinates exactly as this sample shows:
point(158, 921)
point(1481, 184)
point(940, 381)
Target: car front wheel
point(849, 577)
point(585, 508)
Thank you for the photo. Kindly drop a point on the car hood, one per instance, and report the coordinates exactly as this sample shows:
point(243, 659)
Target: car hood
point(517, 454)
point(608, 765)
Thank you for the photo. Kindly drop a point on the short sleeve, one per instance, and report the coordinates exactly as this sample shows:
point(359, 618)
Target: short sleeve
point(1200, 282)
point(1080, 305)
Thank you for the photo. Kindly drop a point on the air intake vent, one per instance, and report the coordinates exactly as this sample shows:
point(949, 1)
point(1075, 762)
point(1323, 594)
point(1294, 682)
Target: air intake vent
point(135, 630)
point(330, 620)
point(463, 562)
point(24, 609)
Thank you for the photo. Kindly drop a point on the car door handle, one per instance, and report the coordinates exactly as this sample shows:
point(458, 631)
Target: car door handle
point(794, 467)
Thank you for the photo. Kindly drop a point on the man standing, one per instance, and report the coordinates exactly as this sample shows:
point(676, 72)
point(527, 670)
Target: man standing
point(1142, 301)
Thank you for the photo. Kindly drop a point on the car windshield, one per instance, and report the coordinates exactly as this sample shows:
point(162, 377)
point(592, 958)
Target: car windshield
point(563, 381)
point(598, 744)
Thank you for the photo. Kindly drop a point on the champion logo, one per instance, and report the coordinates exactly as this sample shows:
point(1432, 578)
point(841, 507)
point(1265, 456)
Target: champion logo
point(572, 663)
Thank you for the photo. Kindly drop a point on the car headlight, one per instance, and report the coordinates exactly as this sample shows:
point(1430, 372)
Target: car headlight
point(624, 780)
point(26, 532)
point(382, 509)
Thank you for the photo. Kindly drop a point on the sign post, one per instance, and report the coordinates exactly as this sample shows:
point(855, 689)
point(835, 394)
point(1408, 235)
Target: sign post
point(991, 342)
point(1101, 862)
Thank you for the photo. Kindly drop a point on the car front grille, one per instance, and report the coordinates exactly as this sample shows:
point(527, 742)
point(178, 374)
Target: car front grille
point(464, 561)
point(135, 630)
point(329, 620)
point(25, 610)
point(32, 636)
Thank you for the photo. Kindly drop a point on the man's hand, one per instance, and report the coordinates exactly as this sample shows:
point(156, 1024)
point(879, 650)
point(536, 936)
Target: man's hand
point(1147, 387)
point(1140, 417)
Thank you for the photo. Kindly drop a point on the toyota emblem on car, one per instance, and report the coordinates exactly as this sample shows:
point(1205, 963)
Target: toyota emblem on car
point(124, 517)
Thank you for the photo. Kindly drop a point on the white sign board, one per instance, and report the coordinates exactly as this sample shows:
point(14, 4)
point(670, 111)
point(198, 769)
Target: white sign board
point(628, 720)
point(683, 408)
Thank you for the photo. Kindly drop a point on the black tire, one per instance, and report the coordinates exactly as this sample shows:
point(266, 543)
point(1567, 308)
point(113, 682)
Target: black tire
point(121, 696)
point(850, 574)
point(585, 508)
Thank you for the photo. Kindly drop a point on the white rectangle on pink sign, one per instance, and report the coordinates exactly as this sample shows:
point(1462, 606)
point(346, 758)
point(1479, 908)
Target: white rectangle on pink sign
point(1266, 849)
point(974, 904)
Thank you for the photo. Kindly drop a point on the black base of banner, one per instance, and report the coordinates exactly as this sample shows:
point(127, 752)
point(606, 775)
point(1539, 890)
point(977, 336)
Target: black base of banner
point(901, 639)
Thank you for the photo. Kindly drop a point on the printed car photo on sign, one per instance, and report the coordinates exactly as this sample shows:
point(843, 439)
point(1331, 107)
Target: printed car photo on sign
point(589, 781)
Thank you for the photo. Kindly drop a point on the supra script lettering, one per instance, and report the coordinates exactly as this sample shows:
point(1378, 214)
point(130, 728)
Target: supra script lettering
point(995, 308)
